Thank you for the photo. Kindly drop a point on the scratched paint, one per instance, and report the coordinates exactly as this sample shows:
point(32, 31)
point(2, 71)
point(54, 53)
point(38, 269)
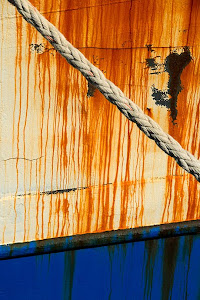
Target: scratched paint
point(73, 164)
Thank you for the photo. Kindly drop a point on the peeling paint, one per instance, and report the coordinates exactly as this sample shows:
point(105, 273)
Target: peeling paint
point(174, 65)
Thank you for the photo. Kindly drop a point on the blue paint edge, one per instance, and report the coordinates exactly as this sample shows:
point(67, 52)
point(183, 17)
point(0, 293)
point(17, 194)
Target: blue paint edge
point(92, 240)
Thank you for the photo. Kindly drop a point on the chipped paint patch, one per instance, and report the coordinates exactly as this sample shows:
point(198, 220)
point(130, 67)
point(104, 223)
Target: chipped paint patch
point(174, 65)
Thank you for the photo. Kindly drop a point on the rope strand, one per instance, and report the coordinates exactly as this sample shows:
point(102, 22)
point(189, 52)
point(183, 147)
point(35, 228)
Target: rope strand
point(111, 92)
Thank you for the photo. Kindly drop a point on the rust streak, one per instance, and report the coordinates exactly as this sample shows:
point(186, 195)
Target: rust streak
point(87, 142)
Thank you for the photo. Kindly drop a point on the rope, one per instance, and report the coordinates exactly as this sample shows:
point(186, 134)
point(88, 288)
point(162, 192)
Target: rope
point(111, 92)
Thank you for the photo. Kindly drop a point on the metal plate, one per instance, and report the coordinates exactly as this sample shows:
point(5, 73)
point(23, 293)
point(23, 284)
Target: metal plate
point(70, 164)
point(154, 269)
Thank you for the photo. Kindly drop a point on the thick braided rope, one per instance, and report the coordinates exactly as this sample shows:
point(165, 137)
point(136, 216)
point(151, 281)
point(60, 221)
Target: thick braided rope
point(111, 92)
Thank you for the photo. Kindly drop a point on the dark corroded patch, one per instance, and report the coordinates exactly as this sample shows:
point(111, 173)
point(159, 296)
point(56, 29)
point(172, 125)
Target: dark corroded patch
point(151, 63)
point(91, 90)
point(40, 48)
point(161, 97)
point(174, 65)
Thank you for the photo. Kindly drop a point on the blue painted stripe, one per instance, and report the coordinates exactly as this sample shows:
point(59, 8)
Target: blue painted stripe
point(99, 239)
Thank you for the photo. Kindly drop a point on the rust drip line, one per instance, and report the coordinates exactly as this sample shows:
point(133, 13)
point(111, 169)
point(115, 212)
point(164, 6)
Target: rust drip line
point(111, 92)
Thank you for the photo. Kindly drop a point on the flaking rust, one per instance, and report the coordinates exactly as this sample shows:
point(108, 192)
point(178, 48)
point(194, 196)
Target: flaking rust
point(174, 65)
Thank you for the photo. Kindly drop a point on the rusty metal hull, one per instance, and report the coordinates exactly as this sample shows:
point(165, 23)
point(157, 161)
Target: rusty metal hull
point(70, 164)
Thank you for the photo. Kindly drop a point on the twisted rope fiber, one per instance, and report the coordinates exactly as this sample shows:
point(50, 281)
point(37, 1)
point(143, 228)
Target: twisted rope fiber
point(111, 92)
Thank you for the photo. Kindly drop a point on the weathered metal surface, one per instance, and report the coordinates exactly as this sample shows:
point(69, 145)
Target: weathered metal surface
point(154, 269)
point(70, 164)
point(105, 238)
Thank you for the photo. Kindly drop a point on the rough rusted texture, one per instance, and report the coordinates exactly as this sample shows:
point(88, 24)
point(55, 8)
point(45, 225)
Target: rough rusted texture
point(174, 65)
point(106, 238)
point(51, 141)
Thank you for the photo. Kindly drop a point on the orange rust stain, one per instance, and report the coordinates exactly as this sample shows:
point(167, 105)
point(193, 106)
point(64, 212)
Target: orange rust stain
point(94, 123)
point(193, 38)
point(86, 159)
point(43, 72)
point(37, 205)
point(18, 85)
point(52, 6)
point(25, 133)
point(186, 133)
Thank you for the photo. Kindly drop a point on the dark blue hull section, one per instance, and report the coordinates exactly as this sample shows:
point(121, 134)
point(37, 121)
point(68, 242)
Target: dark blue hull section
point(164, 268)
